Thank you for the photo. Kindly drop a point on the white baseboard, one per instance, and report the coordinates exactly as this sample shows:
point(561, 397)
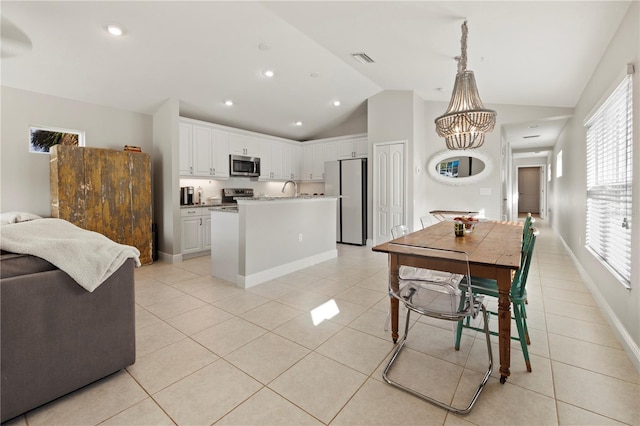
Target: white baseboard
point(287, 268)
point(627, 342)
point(169, 258)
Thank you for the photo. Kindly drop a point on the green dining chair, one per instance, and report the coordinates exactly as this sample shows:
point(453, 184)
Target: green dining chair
point(489, 287)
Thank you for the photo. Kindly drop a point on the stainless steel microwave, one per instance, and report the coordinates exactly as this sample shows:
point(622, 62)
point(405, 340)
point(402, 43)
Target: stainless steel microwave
point(240, 165)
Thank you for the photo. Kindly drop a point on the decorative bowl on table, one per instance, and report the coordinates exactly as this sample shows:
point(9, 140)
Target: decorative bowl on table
point(469, 223)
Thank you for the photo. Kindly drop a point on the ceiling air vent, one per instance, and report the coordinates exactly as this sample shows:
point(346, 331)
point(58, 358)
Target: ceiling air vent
point(362, 58)
point(530, 137)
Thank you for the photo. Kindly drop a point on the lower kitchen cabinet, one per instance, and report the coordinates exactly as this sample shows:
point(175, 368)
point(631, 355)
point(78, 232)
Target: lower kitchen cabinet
point(195, 227)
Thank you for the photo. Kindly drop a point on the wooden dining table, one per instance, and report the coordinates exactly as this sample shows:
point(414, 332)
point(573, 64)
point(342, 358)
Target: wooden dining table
point(494, 250)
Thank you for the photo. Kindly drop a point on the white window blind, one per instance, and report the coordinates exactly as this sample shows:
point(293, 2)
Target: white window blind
point(609, 178)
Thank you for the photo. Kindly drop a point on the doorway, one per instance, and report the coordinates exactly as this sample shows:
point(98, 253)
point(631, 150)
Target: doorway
point(529, 190)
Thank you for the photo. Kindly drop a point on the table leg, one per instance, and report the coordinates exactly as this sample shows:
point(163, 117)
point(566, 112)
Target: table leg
point(504, 322)
point(394, 284)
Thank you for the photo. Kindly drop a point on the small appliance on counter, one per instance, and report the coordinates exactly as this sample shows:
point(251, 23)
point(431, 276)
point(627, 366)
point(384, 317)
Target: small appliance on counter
point(186, 196)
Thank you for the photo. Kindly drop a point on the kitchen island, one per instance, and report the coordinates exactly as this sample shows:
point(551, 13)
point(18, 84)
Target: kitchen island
point(272, 236)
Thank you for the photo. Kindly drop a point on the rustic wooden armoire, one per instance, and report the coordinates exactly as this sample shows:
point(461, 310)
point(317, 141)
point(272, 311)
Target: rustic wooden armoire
point(105, 191)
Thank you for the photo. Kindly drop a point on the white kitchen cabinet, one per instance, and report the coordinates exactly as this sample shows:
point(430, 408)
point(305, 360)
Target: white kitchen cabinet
point(240, 144)
point(291, 161)
point(330, 151)
point(277, 160)
point(185, 150)
point(190, 231)
point(295, 155)
point(220, 160)
point(206, 229)
point(195, 227)
point(353, 148)
point(307, 162)
point(318, 161)
point(204, 151)
point(313, 162)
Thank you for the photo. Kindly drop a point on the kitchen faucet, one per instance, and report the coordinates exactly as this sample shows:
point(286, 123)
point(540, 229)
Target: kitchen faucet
point(295, 187)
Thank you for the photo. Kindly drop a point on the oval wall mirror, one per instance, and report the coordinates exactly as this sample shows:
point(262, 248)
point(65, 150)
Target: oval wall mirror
point(461, 168)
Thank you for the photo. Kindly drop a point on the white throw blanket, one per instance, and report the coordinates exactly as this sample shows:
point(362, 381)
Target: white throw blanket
point(88, 257)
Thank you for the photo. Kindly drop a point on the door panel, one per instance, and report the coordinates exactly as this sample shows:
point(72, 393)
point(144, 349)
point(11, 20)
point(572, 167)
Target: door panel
point(389, 189)
point(529, 190)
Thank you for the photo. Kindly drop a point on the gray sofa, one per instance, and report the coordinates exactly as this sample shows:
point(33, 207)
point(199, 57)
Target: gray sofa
point(56, 337)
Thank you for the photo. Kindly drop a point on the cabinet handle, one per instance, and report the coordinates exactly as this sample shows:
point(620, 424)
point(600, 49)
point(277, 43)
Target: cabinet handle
point(200, 221)
point(190, 170)
point(213, 171)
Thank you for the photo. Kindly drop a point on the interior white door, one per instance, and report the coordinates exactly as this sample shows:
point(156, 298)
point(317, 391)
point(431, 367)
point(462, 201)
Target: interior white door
point(389, 193)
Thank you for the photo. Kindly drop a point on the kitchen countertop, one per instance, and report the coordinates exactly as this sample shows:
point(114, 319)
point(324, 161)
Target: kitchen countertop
point(299, 197)
point(191, 206)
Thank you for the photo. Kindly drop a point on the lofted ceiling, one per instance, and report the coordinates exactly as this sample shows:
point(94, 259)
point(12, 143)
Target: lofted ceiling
point(205, 52)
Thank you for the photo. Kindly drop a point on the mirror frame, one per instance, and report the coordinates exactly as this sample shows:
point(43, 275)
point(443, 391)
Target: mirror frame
point(440, 156)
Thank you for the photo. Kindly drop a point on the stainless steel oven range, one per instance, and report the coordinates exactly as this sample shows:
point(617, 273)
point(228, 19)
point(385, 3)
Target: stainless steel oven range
point(230, 196)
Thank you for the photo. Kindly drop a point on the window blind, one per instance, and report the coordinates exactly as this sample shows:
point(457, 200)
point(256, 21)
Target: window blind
point(609, 179)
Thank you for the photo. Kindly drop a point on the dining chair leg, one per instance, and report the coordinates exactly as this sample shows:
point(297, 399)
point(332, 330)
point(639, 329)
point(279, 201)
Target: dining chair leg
point(522, 334)
point(458, 335)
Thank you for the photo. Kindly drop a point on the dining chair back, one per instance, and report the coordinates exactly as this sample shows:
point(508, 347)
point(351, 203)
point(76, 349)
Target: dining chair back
point(440, 297)
point(427, 221)
point(399, 231)
point(518, 294)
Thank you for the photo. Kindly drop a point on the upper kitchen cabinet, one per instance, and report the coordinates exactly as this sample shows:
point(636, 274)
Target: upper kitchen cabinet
point(204, 151)
point(240, 144)
point(277, 160)
point(210, 152)
point(313, 158)
point(291, 161)
point(186, 150)
point(353, 148)
point(330, 151)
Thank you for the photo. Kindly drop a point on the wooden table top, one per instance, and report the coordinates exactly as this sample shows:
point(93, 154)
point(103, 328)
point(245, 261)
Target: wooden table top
point(492, 243)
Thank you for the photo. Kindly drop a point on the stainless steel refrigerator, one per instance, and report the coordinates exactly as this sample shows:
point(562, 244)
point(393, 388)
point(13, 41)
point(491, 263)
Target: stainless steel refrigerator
point(348, 178)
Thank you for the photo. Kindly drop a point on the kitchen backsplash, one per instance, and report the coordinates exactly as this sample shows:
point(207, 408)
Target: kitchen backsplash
point(213, 188)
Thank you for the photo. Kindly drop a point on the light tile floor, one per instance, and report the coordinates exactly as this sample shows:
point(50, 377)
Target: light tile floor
point(210, 353)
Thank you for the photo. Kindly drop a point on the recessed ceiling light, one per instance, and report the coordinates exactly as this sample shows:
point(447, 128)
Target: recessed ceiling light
point(336, 103)
point(268, 73)
point(228, 102)
point(298, 123)
point(115, 30)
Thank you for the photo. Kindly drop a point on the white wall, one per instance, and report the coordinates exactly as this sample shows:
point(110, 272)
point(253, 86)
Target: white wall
point(165, 180)
point(24, 176)
point(568, 192)
point(468, 197)
point(356, 123)
point(398, 115)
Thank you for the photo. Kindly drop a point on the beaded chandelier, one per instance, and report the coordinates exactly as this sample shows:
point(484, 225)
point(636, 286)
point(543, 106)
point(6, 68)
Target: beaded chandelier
point(467, 120)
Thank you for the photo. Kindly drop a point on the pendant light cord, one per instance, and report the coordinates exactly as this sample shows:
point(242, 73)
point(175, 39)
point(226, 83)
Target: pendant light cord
point(462, 59)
